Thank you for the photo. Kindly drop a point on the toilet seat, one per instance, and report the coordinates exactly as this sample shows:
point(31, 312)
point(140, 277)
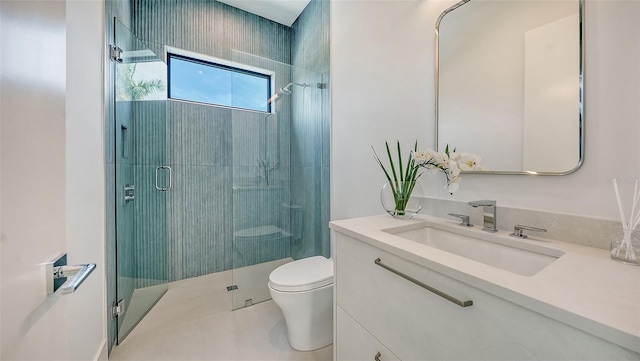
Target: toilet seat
point(302, 275)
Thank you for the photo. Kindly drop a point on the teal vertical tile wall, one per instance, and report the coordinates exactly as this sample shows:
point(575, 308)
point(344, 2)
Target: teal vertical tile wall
point(218, 188)
point(213, 148)
point(210, 27)
point(261, 174)
point(310, 128)
point(205, 233)
point(259, 193)
point(148, 151)
point(199, 204)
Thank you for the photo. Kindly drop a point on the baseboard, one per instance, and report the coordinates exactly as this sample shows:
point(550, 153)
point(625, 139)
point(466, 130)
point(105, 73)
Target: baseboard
point(101, 355)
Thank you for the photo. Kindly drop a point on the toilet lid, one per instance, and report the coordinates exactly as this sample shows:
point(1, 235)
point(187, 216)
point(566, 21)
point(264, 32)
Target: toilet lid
point(302, 275)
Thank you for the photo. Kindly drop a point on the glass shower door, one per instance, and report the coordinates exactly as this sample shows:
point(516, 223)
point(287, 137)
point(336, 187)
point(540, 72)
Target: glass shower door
point(276, 179)
point(143, 179)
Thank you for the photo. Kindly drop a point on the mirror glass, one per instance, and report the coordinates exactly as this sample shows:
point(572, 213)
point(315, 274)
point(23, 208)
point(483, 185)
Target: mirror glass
point(509, 84)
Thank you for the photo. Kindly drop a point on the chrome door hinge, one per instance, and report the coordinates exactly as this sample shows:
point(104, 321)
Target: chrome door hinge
point(117, 308)
point(115, 53)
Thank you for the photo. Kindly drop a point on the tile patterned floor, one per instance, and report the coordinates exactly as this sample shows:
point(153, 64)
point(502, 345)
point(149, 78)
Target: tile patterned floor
point(194, 321)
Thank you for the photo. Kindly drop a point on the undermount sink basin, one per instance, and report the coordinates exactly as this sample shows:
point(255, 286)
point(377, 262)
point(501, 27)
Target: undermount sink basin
point(507, 253)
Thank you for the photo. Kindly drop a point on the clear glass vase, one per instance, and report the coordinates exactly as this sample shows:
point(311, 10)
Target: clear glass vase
point(626, 246)
point(402, 199)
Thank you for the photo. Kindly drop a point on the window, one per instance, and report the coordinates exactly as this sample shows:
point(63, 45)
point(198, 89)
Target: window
point(209, 82)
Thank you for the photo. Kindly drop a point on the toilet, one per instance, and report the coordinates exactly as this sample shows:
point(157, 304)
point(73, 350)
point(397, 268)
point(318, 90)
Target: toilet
point(303, 290)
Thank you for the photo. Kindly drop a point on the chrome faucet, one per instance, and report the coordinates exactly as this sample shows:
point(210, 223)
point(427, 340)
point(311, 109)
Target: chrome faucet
point(489, 214)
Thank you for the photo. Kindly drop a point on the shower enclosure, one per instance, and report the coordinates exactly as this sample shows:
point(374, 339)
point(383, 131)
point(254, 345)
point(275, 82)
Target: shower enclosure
point(142, 177)
point(202, 189)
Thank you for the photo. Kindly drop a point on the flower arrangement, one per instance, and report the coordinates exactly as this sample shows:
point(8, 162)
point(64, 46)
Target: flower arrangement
point(401, 180)
point(450, 163)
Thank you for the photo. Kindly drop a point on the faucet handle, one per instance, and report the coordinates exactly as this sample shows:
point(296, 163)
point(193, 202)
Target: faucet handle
point(464, 219)
point(517, 231)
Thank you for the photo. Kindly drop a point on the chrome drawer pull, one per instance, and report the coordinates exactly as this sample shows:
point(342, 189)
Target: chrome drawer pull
point(377, 357)
point(468, 303)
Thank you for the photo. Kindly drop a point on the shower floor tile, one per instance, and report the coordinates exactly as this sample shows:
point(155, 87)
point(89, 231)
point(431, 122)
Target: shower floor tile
point(194, 321)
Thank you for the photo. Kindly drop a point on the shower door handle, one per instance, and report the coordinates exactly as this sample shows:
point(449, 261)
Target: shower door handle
point(163, 189)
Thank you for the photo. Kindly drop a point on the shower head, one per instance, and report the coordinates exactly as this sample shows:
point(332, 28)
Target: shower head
point(287, 89)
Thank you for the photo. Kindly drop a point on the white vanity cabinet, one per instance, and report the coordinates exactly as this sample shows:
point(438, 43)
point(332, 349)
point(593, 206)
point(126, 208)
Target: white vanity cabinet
point(356, 343)
point(376, 307)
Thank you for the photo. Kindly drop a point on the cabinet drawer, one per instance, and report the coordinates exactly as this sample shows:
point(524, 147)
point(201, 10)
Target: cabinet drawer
point(416, 324)
point(354, 343)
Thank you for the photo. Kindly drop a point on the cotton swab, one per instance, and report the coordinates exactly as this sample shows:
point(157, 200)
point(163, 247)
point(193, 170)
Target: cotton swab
point(622, 217)
point(633, 206)
point(635, 217)
point(636, 222)
point(615, 187)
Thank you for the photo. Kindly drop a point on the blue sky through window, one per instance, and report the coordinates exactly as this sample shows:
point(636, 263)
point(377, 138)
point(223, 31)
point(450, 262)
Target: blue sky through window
point(203, 82)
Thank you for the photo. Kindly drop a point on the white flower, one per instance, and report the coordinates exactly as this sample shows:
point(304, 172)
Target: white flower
point(451, 163)
point(452, 187)
point(422, 156)
point(440, 158)
point(454, 170)
point(468, 161)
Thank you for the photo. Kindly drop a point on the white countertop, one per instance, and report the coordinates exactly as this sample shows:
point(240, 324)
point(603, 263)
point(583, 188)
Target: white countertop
point(583, 288)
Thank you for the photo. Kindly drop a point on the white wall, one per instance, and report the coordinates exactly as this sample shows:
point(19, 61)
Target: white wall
point(377, 93)
point(52, 177)
point(85, 175)
point(382, 88)
point(32, 90)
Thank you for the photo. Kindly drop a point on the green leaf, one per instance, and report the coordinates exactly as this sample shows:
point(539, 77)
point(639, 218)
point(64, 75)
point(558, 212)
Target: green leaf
point(393, 168)
point(411, 164)
point(375, 155)
point(400, 162)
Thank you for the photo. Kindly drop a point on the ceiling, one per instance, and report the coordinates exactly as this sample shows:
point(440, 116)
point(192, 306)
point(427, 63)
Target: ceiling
point(284, 12)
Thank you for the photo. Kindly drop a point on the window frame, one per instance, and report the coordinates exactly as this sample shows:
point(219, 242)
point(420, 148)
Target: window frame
point(219, 63)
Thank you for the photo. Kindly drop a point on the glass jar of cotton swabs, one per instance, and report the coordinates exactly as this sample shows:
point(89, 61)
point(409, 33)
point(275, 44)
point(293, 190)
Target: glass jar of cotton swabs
point(626, 246)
